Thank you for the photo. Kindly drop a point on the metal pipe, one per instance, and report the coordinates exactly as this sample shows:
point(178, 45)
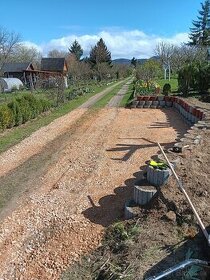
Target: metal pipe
point(186, 195)
point(180, 266)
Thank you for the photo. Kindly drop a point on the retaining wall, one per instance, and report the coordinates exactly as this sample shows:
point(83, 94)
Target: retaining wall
point(197, 118)
point(191, 114)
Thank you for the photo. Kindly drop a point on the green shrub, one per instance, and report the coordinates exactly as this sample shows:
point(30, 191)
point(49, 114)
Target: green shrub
point(34, 105)
point(6, 117)
point(15, 107)
point(46, 105)
point(22, 109)
point(166, 89)
point(25, 109)
point(202, 79)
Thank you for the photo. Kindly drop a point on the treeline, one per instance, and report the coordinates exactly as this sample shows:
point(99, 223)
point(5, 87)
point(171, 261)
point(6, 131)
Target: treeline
point(22, 109)
point(189, 62)
point(97, 65)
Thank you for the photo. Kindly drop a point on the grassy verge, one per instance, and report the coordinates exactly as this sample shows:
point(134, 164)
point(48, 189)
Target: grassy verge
point(172, 82)
point(104, 100)
point(16, 134)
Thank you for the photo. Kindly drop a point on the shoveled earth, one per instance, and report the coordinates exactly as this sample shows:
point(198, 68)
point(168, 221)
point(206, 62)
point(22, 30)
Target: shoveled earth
point(78, 186)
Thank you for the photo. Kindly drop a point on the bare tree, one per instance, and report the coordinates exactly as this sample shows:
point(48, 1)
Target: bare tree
point(24, 53)
point(8, 42)
point(165, 52)
point(148, 71)
point(187, 54)
point(56, 53)
point(78, 70)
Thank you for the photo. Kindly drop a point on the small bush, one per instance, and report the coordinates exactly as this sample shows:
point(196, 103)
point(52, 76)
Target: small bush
point(22, 109)
point(45, 104)
point(166, 89)
point(25, 109)
point(6, 117)
point(15, 107)
point(34, 105)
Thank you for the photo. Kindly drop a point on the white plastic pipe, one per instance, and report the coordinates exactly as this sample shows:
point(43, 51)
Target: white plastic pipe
point(187, 197)
point(180, 266)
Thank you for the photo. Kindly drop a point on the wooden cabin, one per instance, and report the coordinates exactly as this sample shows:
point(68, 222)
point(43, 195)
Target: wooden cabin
point(24, 71)
point(55, 65)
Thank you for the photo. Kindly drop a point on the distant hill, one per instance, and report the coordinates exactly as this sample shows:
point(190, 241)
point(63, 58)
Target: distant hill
point(126, 61)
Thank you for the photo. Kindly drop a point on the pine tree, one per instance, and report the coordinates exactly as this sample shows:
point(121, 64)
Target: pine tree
point(100, 54)
point(134, 62)
point(76, 50)
point(200, 33)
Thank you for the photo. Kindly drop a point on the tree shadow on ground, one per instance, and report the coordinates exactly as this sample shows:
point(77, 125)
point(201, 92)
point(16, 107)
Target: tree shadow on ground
point(132, 148)
point(111, 207)
point(173, 119)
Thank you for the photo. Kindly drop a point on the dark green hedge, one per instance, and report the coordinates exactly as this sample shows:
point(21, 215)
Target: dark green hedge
point(22, 109)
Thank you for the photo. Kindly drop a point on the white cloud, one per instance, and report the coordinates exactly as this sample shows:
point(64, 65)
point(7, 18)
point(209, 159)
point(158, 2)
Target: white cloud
point(32, 45)
point(127, 44)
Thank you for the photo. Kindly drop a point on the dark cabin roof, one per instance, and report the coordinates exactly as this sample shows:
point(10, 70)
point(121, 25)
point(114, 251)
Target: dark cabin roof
point(53, 64)
point(17, 66)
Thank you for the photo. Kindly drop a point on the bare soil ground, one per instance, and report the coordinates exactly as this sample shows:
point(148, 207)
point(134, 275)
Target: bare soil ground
point(165, 232)
point(74, 186)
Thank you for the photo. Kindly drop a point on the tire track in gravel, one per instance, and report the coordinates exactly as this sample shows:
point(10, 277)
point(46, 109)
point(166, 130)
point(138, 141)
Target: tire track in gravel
point(56, 223)
point(115, 101)
point(34, 144)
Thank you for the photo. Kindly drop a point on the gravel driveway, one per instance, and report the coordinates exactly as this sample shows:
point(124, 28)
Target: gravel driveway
point(76, 185)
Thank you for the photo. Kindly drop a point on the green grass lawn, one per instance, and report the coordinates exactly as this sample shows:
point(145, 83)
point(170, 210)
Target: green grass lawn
point(13, 136)
point(172, 82)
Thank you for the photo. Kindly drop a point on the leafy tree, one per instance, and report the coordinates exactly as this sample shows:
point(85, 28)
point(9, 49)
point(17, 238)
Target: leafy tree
point(194, 76)
point(202, 78)
point(200, 32)
point(76, 49)
point(186, 77)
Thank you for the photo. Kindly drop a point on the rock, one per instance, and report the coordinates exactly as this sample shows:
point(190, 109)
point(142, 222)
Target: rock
point(171, 216)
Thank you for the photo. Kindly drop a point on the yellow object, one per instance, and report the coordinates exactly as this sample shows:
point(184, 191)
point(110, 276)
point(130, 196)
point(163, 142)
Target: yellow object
point(156, 164)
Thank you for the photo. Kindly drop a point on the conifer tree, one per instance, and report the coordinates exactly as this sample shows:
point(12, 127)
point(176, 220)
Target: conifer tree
point(76, 49)
point(100, 54)
point(200, 32)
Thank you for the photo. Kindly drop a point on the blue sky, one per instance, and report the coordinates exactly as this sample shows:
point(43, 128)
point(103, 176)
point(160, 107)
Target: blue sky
point(129, 28)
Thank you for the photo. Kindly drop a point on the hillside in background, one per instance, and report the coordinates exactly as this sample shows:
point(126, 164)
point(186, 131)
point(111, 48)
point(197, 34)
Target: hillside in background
point(126, 61)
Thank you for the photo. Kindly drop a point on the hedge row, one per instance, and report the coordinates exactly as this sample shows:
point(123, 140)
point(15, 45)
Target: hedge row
point(22, 109)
